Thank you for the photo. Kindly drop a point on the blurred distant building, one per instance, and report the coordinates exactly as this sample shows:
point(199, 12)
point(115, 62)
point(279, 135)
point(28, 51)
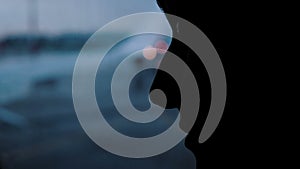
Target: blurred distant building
point(61, 16)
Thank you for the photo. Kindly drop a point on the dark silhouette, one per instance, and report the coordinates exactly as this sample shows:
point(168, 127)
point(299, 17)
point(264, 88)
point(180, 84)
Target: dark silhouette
point(210, 18)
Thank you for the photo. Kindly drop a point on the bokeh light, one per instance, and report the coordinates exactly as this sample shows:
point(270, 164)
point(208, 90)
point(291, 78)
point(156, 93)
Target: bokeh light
point(161, 46)
point(149, 52)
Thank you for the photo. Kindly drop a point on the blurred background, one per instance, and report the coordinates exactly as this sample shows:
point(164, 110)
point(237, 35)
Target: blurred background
point(39, 43)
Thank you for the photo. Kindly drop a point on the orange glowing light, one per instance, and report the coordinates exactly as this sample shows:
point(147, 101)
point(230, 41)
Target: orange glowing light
point(149, 52)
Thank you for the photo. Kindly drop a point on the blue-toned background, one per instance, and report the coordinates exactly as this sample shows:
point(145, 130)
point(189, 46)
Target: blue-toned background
point(39, 43)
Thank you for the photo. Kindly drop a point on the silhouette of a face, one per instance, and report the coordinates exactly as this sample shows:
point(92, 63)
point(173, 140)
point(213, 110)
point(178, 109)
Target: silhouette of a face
point(151, 49)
